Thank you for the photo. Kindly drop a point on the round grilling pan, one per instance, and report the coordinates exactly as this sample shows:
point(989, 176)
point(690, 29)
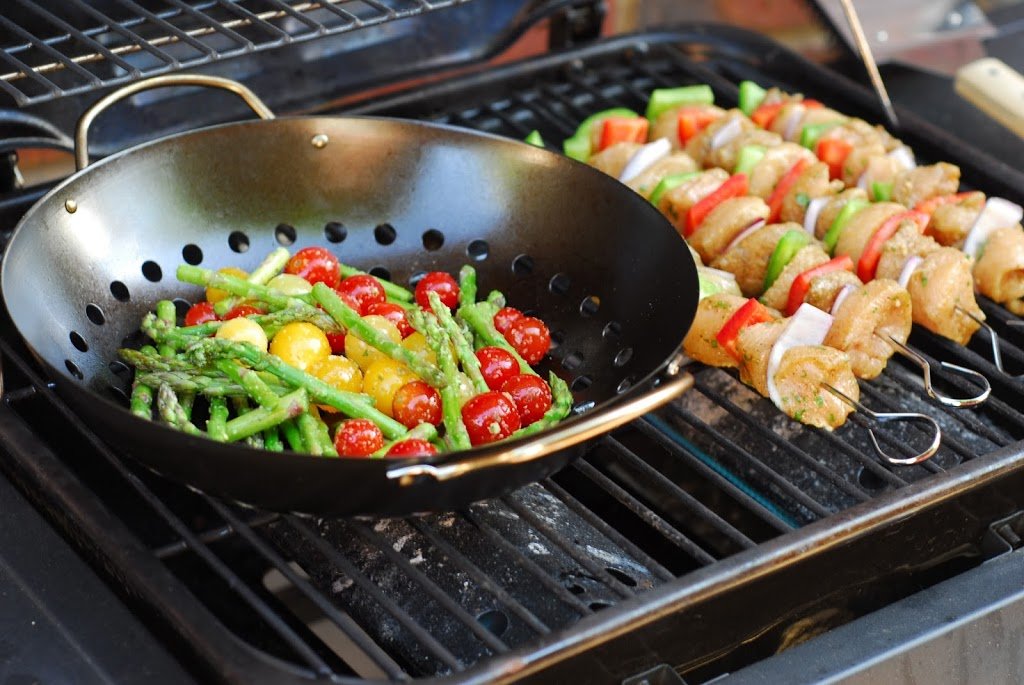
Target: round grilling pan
point(609, 275)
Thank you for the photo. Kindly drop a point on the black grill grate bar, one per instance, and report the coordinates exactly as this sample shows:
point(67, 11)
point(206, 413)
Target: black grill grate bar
point(543, 113)
point(272, 619)
point(340, 561)
point(892, 442)
point(285, 8)
point(769, 474)
point(173, 31)
point(684, 455)
point(771, 436)
point(702, 74)
point(527, 563)
point(680, 496)
point(948, 440)
point(124, 30)
point(212, 25)
point(656, 522)
point(212, 535)
point(869, 463)
point(430, 587)
point(251, 19)
point(49, 50)
point(482, 579)
point(341, 620)
point(569, 547)
point(81, 37)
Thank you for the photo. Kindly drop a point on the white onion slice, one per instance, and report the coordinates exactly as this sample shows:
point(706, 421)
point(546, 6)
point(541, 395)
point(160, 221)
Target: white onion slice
point(904, 156)
point(813, 211)
point(759, 224)
point(909, 267)
point(864, 182)
point(997, 213)
point(718, 273)
point(793, 119)
point(727, 133)
point(844, 293)
point(645, 157)
point(808, 326)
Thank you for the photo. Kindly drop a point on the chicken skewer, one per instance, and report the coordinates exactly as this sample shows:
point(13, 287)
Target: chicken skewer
point(809, 382)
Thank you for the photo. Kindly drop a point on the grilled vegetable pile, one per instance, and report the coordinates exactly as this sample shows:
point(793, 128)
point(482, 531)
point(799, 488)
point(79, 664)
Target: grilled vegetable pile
point(320, 357)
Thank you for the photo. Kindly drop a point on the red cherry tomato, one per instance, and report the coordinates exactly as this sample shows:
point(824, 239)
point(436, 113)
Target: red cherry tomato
point(531, 395)
point(242, 310)
point(363, 290)
point(358, 438)
point(530, 337)
point(505, 317)
point(413, 447)
point(490, 416)
point(393, 313)
point(415, 403)
point(199, 313)
point(316, 265)
point(337, 342)
point(497, 366)
point(442, 284)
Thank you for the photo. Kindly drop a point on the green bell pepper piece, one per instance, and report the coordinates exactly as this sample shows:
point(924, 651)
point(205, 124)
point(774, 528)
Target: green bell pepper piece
point(748, 158)
point(787, 247)
point(578, 145)
point(664, 99)
point(810, 135)
point(881, 191)
point(534, 138)
point(751, 97)
point(842, 219)
point(668, 183)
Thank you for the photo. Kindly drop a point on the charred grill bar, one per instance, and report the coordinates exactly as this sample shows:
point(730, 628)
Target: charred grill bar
point(704, 537)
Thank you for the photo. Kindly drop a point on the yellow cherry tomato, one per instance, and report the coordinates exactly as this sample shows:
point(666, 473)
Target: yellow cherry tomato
point(299, 344)
point(243, 330)
point(338, 372)
point(417, 344)
point(383, 379)
point(361, 353)
point(290, 284)
point(215, 295)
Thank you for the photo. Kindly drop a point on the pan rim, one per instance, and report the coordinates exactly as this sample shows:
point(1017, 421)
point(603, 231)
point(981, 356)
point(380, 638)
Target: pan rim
point(639, 388)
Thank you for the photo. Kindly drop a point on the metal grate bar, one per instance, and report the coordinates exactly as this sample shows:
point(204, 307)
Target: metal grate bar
point(769, 474)
point(569, 548)
point(79, 36)
point(703, 74)
point(436, 593)
point(774, 438)
point(343, 621)
point(663, 527)
point(948, 440)
point(43, 47)
point(176, 34)
point(212, 26)
point(250, 19)
point(894, 442)
point(684, 455)
point(124, 31)
point(335, 556)
point(237, 585)
point(872, 465)
point(212, 535)
point(285, 8)
point(481, 578)
point(681, 496)
point(607, 530)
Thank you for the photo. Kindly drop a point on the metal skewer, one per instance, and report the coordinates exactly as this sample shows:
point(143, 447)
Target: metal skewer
point(886, 417)
point(926, 374)
point(864, 48)
point(997, 355)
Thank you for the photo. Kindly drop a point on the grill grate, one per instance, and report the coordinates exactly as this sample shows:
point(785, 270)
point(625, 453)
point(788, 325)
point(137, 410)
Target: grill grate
point(75, 47)
point(655, 507)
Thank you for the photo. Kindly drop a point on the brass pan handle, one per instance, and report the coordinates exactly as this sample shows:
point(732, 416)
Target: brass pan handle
point(573, 433)
point(170, 80)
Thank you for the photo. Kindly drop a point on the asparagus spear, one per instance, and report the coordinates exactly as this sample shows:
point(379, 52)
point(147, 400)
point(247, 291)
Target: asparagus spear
point(243, 407)
point(292, 435)
point(561, 404)
point(242, 288)
point(463, 347)
point(182, 382)
point(212, 349)
point(167, 315)
point(253, 422)
point(350, 319)
point(480, 318)
point(496, 299)
point(171, 411)
point(392, 290)
point(272, 265)
point(451, 406)
point(323, 432)
point(272, 440)
point(216, 424)
point(142, 400)
point(467, 285)
point(308, 431)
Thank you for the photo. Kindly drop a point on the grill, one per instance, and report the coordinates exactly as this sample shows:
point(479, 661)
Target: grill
point(703, 537)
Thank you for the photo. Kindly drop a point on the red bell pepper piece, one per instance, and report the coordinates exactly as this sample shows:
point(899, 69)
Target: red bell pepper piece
point(764, 115)
point(752, 312)
point(735, 186)
point(811, 103)
point(929, 205)
point(802, 283)
point(833, 151)
point(868, 263)
point(623, 130)
point(782, 189)
point(693, 120)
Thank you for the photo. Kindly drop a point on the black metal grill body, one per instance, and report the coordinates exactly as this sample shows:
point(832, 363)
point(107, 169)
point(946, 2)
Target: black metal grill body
point(704, 537)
